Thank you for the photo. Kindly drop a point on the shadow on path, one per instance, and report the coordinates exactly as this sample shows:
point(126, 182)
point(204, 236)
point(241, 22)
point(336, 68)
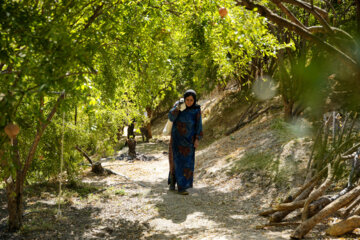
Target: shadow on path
point(232, 214)
point(40, 222)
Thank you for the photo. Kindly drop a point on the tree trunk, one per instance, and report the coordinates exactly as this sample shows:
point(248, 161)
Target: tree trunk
point(132, 147)
point(130, 133)
point(14, 189)
point(344, 226)
point(97, 168)
point(75, 117)
point(358, 16)
point(149, 113)
point(288, 109)
point(15, 207)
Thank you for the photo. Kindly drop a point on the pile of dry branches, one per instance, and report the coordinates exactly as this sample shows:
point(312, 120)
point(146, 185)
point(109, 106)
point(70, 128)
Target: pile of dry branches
point(314, 206)
point(317, 207)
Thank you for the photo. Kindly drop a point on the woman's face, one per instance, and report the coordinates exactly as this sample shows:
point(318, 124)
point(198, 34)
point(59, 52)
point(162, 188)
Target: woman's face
point(189, 101)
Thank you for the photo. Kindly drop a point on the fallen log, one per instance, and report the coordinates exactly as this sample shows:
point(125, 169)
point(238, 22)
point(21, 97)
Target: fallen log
point(344, 226)
point(96, 167)
point(290, 206)
point(356, 211)
point(307, 225)
point(279, 216)
point(267, 212)
point(84, 154)
point(270, 211)
point(317, 193)
point(351, 207)
point(314, 207)
point(316, 178)
point(290, 198)
point(280, 224)
point(317, 205)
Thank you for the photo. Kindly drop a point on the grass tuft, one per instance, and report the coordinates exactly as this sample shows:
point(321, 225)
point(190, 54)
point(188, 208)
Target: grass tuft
point(120, 192)
point(266, 164)
point(286, 131)
point(253, 161)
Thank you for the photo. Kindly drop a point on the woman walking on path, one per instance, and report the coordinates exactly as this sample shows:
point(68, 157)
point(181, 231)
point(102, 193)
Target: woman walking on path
point(185, 135)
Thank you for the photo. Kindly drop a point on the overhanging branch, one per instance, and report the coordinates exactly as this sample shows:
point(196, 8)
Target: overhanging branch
point(288, 13)
point(298, 29)
point(307, 7)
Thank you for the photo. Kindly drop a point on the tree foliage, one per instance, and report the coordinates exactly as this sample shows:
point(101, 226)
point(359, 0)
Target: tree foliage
point(99, 65)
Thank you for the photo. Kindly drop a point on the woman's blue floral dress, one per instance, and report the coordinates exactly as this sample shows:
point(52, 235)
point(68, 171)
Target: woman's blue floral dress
point(187, 126)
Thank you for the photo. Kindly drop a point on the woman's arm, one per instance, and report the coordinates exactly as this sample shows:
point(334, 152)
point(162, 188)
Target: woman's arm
point(174, 112)
point(198, 129)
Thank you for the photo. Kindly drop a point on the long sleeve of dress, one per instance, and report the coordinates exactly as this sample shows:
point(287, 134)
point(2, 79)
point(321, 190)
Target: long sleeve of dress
point(198, 130)
point(174, 112)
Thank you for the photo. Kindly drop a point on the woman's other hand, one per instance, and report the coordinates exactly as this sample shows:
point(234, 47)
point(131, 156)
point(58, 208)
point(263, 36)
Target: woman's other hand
point(196, 143)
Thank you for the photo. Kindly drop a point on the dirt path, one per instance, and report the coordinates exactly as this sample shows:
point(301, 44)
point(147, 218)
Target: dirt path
point(142, 207)
point(209, 212)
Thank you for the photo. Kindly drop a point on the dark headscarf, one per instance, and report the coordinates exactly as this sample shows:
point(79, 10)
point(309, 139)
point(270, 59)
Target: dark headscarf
point(192, 93)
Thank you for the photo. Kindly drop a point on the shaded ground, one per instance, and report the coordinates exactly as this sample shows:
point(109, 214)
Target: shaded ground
point(113, 207)
point(229, 191)
point(142, 208)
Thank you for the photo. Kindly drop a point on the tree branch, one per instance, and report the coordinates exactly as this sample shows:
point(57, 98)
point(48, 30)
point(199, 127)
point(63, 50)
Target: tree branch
point(97, 12)
point(84, 154)
point(307, 7)
point(321, 29)
point(288, 13)
point(295, 28)
point(38, 136)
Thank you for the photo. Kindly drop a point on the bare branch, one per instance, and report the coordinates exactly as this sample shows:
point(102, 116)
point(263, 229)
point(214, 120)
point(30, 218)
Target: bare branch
point(321, 29)
point(333, 9)
point(352, 150)
point(321, 20)
point(307, 7)
point(97, 12)
point(288, 13)
point(84, 154)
